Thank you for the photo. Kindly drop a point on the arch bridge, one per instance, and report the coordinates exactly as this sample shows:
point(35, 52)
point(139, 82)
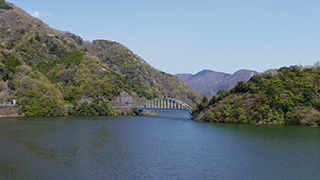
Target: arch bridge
point(165, 104)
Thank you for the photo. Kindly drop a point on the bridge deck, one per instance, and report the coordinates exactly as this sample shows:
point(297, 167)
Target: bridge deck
point(164, 109)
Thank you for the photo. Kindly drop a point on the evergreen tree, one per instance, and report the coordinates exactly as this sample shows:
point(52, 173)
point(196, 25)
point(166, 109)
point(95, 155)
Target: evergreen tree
point(3, 5)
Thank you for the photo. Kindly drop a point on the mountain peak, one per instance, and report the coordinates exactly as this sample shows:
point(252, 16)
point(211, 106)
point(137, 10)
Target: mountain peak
point(210, 82)
point(203, 72)
point(206, 71)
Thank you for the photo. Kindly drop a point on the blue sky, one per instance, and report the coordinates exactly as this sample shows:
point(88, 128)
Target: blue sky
point(187, 36)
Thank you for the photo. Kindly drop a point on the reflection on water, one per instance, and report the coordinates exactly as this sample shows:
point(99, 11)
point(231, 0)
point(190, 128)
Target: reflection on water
point(166, 146)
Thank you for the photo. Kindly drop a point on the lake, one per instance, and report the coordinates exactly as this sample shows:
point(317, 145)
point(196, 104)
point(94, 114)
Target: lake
point(166, 146)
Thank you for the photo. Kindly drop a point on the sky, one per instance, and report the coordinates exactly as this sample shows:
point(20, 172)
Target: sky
point(187, 36)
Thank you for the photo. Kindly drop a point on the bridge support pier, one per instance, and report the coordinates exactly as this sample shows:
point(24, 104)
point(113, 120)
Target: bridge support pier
point(140, 112)
point(191, 116)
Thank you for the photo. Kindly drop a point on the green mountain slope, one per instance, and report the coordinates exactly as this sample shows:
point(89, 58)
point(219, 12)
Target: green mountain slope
point(289, 95)
point(45, 69)
point(143, 79)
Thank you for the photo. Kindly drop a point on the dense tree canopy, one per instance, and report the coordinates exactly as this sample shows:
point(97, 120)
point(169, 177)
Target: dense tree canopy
point(289, 95)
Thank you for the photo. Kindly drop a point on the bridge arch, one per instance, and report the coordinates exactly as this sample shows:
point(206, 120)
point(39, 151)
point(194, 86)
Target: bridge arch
point(165, 104)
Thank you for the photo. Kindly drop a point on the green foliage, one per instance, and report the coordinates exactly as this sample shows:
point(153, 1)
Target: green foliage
point(272, 90)
point(43, 107)
point(135, 112)
point(98, 107)
point(213, 100)
point(200, 106)
point(38, 96)
point(222, 94)
point(292, 117)
point(12, 62)
point(308, 95)
point(241, 87)
point(71, 58)
point(209, 116)
point(9, 69)
point(91, 79)
point(205, 100)
point(72, 95)
point(288, 95)
point(5, 6)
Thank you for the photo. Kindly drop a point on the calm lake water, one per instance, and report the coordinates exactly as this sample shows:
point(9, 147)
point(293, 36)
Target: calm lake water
point(166, 146)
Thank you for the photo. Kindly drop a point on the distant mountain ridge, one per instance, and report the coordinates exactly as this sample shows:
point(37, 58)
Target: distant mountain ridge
point(208, 82)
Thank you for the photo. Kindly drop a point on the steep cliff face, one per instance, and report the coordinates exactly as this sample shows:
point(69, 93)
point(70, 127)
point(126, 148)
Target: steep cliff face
point(41, 65)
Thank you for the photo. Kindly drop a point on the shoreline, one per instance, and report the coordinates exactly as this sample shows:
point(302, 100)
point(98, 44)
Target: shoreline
point(125, 114)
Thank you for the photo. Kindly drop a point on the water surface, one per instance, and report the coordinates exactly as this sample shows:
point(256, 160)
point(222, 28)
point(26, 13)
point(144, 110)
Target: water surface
point(166, 146)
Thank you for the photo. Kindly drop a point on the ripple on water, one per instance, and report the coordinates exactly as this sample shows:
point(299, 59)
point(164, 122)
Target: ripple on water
point(167, 146)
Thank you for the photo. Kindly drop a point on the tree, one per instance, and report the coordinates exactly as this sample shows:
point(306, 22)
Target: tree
point(205, 100)
point(12, 62)
point(97, 107)
point(5, 6)
point(241, 87)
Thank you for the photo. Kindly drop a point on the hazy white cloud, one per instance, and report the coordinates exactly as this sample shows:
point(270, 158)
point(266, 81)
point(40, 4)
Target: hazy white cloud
point(35, 14)
point(46, 14)
point(38, 14)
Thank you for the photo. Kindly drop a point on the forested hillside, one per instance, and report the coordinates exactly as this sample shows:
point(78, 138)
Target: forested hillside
point(45, 70)
point(144, 80)
point(289, 95)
